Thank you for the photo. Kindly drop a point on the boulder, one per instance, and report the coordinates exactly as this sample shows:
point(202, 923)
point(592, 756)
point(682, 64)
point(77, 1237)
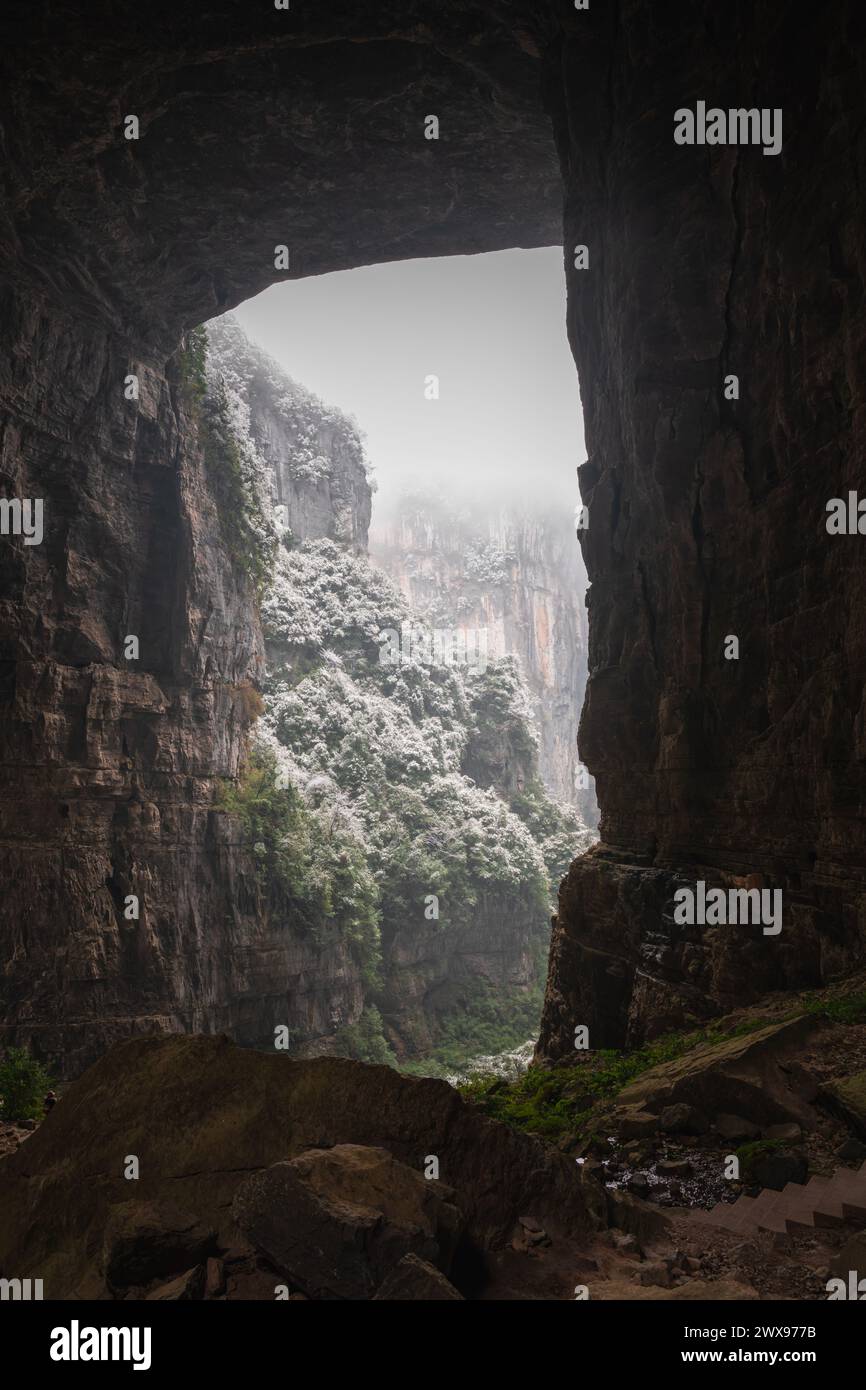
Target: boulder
point(682, 1119)
point(744, 1075)
point(804, 1082)
point(636, 1123)
point(736, 1129)
point(654, 1273)
point(336, 1221)
point(776, 1169)
point(202, 1114)
point(847, 1099)
point(414, 1279)
point(674, 1168)
point(628, 1213)
point(787, 1134)
point(144, 1241)
point(851, 1151)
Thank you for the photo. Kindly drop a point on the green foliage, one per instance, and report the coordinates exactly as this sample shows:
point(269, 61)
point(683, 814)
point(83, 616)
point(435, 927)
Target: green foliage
point(390, 740)
point(502, 718)
point(844, 1008)
point(236, 471)
point(308, 859)
point(273, 822)
point(193, 364)
point(487, 564)
point(565, 1099)
point(397, 767)
point(237, 486)
point(23, 1086)
point(365, 1041)
point(750, 1154)
point(341, 892)
point(555, 827)
point(551, 1104)
point(483, 1021)
point(314, 434)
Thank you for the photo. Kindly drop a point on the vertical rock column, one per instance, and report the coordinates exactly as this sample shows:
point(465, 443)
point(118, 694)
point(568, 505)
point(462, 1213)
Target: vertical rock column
point(116, 914)
point(707, 510)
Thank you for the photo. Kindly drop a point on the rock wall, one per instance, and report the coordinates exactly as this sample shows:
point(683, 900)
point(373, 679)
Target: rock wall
point(261, 128)
point(515, 574)
point(255, 129)
point(707, 514)
point(314, 461)
point(113, 766)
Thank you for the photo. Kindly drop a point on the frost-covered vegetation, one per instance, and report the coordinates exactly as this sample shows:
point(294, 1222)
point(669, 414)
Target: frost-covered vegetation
point(319, 434)
point(392, 742)
point(486, 563)
point(370, 785)
point(311, 858)
point(237, 473)
point(384, 749)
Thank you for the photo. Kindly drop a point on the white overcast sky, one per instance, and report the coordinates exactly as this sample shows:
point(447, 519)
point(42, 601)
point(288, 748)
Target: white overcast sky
point(492, 328)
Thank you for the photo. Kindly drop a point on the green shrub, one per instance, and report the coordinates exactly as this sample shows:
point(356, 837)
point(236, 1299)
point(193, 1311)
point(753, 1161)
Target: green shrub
point(750, 1154)
point(193, 365)
point(364, 1041)
point(231, 469)
point(847, 1008)
point(551, 1104)
point(23, 1086)
point(307, 860)
point(272, 820)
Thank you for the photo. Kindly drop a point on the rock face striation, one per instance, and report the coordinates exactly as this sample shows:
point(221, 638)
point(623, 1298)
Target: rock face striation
point(109, 249)
point(707, 503)
point(516, 576)
point(313, 460)
point(305, 129)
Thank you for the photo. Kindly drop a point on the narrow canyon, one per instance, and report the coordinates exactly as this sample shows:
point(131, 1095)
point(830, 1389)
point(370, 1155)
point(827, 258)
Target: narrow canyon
point(267, 880)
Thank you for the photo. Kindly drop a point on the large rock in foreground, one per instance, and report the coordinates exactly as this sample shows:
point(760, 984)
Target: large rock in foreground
point(337, 1221)
point(746, 1075)
point(146, 1240)
point(201, 1115)
point(414, 1280)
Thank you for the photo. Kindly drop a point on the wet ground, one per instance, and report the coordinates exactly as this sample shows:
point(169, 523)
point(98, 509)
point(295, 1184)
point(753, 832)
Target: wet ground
point(698, 1181)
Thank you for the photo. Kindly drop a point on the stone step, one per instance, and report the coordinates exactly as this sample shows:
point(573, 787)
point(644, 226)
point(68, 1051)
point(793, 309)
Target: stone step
point(843, 1180)
point(771, 1215)
point(822, 1202)
point(848, 1189)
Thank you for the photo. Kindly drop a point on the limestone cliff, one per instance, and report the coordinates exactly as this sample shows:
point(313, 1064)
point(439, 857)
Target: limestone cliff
point(707, 514)
point(423, 840)
point(313, 455)
point(708, 507)
point(516, 575)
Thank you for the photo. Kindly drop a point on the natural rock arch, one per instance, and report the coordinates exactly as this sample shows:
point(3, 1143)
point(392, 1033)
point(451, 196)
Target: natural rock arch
point(305, 128)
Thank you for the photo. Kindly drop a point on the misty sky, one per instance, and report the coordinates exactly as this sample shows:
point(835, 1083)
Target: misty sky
point(492, 328)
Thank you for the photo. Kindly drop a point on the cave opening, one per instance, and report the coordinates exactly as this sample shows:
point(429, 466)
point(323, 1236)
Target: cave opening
point(169, 894)
point(411, 431)
point(193, 175)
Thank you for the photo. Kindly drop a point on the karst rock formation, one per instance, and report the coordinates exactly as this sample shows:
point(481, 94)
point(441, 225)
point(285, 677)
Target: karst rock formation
point(304, 128)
